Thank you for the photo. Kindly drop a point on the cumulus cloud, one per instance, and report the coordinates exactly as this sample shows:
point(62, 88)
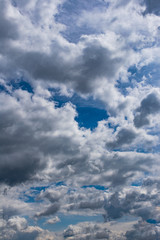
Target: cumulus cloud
point(49, 165)
point(8, 28)
point(21, 158)
point(51, 210)
point(88, 230)
point(53, 220)
point(143, 230)
point(17, 228)
point(149, 105)
point(124, 136)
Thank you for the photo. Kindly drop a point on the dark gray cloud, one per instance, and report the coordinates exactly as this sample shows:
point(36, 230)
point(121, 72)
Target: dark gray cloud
point(51, 195)
point(142, 231)
point(91, 205)
point(80, 72)
point(133, 203)
point(124, 137)
point(9, 211)
point(19, 160)
point(149, 105)
point(51, 210)
point(120, 164)
point(96, 62)
point(19, 169)
point(24, 141)
point(8, 28)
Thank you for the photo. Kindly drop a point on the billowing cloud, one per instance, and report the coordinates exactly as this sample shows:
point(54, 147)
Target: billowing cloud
point(142, 231)
point(17, 228)
point(149, 105)
point(89, 231)
point(55, 58)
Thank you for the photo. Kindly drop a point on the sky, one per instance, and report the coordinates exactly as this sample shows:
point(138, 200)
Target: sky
point(79, 119)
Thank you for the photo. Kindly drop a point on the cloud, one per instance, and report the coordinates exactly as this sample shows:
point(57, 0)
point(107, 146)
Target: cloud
point(49, 165)
point(53, 220)
point(51, 194)
point(137, 202)
point(149, 105)
point(23, 152)
point(124, 136)
point(90, 231)
point(51, 210)
point(86, 231)
point(143, 230)
point(8, 28)
point(17, 228)
point(78, 68)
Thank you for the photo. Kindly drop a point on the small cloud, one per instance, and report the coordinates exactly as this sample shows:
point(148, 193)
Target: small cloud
point(53, 220)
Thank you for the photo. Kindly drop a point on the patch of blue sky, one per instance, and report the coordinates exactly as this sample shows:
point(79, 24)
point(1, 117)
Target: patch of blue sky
point(89, 111)
point(28, 198)
point(60, 184)
point(21, 84)
point(16, 84)
point(138, 149)
point(137, 183)
point(98, 187)
point(39, 188)
point(66, 220)
point(30, 221)
point(88, 117)
point(152, 221)
point(142, 149)
point(69, 12)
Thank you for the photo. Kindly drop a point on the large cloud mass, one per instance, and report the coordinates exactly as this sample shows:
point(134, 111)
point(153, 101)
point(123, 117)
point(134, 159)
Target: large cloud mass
point(59, 177)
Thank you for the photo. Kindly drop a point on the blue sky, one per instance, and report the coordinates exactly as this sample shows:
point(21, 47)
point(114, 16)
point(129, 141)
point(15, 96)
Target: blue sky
point(79, 119)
